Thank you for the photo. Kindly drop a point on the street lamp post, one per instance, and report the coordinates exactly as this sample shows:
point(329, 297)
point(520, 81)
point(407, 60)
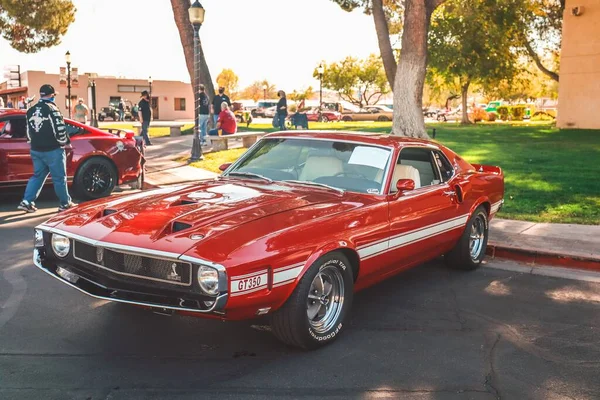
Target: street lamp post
point(196, 14)
point(93, 89)
point(150, 94)
point(265, 87)
point(320, 71)
point(68, 60)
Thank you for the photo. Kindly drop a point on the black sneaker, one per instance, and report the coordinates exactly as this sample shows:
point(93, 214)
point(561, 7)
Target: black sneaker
point(66, 206)
point(27, 206)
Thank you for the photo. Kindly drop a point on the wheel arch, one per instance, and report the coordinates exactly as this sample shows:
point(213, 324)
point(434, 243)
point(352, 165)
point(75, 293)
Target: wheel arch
point(95, 155)
point(344, 247)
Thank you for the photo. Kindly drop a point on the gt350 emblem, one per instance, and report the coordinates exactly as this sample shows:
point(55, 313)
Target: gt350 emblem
point(173, 275)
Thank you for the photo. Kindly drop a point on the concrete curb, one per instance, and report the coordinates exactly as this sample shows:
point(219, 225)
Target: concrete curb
point(536, 257)
point(554, 272)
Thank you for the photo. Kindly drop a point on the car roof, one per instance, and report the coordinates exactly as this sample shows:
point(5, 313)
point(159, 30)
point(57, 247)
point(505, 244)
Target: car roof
point(373, 138)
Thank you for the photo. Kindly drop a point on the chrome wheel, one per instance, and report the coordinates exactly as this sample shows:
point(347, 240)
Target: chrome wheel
point(476, 237)
point(325, 299)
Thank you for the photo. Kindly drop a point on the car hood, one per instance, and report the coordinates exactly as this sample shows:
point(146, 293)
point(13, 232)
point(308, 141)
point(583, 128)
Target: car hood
point(175, 219)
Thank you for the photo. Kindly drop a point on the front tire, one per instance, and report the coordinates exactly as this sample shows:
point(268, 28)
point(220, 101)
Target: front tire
point(314, 314)
point(95, 178)
point(470, 249)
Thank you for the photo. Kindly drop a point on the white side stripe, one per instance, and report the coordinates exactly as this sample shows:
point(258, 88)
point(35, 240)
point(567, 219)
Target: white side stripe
point(411, 237)
point(288, 274)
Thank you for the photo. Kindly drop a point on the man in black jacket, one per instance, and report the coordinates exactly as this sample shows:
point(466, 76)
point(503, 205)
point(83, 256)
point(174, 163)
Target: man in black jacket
point(47, 134)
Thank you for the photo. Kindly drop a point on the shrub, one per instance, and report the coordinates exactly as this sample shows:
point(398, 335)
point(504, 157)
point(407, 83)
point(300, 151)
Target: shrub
point(491, 116)
point(542, 116)
point(479, 114)
point(517, 113)
point(293, 108)
point(503, 112)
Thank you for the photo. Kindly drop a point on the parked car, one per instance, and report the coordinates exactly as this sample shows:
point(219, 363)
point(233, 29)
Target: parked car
point(291, 230)
point(97, 160)
point(262, 107)
point(269, 112)
point(113, 113)
point(323, 115)
point(369, 113)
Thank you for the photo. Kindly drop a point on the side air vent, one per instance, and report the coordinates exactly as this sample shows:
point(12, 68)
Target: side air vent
point(180, 226)
point(108, 212)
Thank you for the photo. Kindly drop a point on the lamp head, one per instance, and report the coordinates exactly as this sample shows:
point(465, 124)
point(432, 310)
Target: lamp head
point(196, 13)
point(68, 57)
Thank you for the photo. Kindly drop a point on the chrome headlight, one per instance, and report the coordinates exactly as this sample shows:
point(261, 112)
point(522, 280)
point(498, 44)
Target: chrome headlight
point(60, 245)
point(38, 238)
point(208, 279)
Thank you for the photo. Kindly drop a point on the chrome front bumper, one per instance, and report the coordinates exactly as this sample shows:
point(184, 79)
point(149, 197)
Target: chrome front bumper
point(98, 291)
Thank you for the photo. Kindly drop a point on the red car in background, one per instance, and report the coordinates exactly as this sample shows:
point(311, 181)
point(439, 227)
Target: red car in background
point(317, 115)
point(97, 160)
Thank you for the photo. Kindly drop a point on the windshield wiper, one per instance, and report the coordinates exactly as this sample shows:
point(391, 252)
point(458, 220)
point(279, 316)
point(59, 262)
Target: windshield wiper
point(250, 175)
point(310, 183)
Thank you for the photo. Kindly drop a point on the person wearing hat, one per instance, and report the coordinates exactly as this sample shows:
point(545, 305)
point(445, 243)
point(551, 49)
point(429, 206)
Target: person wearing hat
point(217, 101)
point(145, 113)
point(47, 135)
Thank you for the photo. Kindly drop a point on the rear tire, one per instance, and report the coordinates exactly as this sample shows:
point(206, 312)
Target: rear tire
point(95, 178)
point(470, 250)
point(383, 119)
point(346, 119)
point(324, 293)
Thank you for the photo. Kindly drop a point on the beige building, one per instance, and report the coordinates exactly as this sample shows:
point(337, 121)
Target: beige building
point(579, 88)
point(171, 100)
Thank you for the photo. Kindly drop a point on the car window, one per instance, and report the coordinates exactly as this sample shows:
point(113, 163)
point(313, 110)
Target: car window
point(73, 130)
point(14, 128)
point(446, 169)
point(345, 165)
point(416, 164)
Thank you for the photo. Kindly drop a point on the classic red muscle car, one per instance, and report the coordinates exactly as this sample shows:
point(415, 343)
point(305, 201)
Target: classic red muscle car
point(325, 115)
point(97, 160)
point(291, 229)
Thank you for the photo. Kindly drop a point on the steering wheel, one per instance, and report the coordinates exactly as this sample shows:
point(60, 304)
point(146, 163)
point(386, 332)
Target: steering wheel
point(355, 174)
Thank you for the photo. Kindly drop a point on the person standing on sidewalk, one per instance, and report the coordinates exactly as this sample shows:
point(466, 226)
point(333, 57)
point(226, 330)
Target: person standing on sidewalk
point(204, 115)
point(145, 114)
point(81, 111)
point(216, 103)
point(47, 133)
point(121, 110)
point(282, 111)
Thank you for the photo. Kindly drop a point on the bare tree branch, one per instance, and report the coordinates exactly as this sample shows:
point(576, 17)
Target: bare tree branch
point(538, 62)
point(385, 45)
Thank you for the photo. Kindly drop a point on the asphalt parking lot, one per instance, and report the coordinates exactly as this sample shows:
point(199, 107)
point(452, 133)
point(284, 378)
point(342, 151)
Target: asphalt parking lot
point(429, 333)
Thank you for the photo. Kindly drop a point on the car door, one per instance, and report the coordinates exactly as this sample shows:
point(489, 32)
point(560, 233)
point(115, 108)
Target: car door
point(424, 222)
point(15, 160)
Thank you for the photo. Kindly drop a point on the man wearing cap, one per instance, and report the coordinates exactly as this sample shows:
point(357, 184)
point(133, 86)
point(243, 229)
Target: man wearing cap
point(145, 114)
point(47, 134)
point(217, 101)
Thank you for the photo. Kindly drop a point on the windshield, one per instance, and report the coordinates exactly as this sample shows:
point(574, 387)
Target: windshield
point(354, 167)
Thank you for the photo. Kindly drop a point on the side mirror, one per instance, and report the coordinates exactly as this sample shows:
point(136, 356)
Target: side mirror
point(404, 185)
point(223, 167)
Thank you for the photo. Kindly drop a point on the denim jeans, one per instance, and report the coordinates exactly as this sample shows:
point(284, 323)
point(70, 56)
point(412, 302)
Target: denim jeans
point(203, 122)
point(281, 121)
point(145, 126)
point(121, 115)
point(215, 118)
point(48, 162)
point(215, 132)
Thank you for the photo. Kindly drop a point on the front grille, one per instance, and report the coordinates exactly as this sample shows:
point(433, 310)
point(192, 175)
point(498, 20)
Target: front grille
point(157, 269)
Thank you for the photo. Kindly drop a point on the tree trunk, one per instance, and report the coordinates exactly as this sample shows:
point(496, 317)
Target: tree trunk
point(383, 37)
point(410, 76)
point(186, 33)
point(465, 107)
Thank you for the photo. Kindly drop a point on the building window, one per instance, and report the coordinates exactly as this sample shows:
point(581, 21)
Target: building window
point(132, 88)
point(179, 104)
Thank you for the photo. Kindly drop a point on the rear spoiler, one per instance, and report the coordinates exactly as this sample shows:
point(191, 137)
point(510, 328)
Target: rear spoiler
point(490, 169)
point(126, 133)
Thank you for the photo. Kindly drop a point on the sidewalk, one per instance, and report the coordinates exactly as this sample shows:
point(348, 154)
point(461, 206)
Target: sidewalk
point(162, 170)
point(565, 245)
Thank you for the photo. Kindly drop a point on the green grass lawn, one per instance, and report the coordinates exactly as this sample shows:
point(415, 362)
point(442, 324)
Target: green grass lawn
point(551, 175)
point(154, 132)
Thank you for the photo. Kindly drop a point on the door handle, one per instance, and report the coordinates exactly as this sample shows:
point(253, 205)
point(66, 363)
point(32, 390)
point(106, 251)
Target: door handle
point(449, 193)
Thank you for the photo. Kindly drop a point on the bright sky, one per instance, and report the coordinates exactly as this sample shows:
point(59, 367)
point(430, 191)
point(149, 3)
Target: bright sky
point(279, 40)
